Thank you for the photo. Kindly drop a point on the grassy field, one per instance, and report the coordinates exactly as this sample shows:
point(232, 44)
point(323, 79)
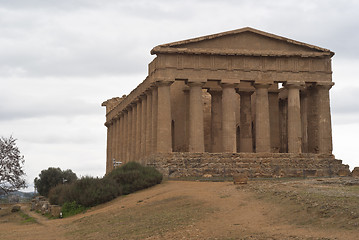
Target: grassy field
point(316, 209)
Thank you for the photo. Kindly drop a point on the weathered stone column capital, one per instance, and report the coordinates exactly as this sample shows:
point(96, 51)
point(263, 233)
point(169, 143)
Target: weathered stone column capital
point(108, 124)
point(166, 82)
point(325, 85)
point(245, 91)
point(186, 89)
point(228, 85)
point(195, 84)
point(142, 96)
point(215, 91)
point(304, 91)
point(290, 85)
point(262, 84)
point(129, 107)
point(148, 91)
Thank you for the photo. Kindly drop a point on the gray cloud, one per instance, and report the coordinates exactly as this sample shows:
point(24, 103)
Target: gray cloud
point(90, 38)
point(344, 101)
point(60, 59)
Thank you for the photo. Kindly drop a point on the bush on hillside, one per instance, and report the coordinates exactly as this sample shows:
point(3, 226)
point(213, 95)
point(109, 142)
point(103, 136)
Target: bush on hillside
point(133, 177)
point(71, 208)
point(89, 191)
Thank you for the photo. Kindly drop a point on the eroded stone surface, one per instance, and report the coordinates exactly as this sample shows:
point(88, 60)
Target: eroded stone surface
point(355, 172)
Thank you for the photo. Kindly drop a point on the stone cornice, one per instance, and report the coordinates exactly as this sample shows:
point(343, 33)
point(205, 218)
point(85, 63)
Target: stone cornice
point(234, 52)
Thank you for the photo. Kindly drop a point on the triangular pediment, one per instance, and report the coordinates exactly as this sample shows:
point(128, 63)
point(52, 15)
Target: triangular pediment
point(244, 41)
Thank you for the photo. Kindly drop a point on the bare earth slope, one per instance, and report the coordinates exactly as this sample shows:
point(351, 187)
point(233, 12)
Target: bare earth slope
point(285, 209)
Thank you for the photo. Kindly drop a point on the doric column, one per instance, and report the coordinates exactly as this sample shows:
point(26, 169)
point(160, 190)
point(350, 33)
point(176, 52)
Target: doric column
point(138, 131)
point(312, 95)
point(125, 136)
point(186, 117)
point(122, 136)
point(119, 138)
point(273, 98)
point(294, 119)
point(133, 136)
point(245, 134)
point(129, 133)
point(143, 125)
point(216, 120)
point(114, 141)
point(109, 145)
point(228, 118)
point(262, 118)
point(196, 132)
point(283, 116)
point(324, 117)
point(154, 118)
point(304, 119)
point(149, 123)
point(164, 138)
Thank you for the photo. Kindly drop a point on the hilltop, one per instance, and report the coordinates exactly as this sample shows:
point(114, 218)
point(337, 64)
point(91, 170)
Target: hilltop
point(263, 209)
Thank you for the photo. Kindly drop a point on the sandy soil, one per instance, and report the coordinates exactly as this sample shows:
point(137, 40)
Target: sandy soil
point(180, 210)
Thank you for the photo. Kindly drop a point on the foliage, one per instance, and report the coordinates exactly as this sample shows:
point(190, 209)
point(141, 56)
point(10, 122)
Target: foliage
point(52, 177)
point(11, 166)
point(133, 177)
point(72, 208)
point(89, 191)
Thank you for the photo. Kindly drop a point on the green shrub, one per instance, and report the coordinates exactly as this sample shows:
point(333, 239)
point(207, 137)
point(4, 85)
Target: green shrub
point(89, 191)
point(71, 208)
point(133, 177)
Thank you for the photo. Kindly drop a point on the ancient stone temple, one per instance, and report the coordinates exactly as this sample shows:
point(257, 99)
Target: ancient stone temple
point(238, 101)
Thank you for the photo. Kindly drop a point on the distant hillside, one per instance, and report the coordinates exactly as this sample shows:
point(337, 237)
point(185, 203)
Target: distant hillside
point(21, 196)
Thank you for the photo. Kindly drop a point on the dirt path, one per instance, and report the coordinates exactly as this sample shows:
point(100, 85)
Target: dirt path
point(177, 210)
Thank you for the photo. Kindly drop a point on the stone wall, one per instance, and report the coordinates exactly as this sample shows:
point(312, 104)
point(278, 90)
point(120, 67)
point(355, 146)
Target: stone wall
point(265, 165)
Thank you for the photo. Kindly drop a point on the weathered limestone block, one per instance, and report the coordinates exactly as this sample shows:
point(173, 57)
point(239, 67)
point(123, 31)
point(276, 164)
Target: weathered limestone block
point(343, 173)
point(55, 210)
point(15, 208)
point(268, 165)
point(355, 172)
point(241, 178)
point(45, 207)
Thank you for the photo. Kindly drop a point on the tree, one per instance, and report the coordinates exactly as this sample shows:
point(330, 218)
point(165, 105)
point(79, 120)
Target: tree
point(11, 166)
point(51, 178)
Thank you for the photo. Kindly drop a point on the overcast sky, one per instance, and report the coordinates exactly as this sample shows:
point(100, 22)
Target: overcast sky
point(59, 60)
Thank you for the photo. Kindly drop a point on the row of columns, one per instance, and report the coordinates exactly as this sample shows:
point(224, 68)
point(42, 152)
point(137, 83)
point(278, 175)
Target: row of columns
point(223, 120)
point(144, 127)
point(132, 134)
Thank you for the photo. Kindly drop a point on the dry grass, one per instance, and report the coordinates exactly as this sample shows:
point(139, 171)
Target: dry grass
point(301, 209)
point(6, 216)
point(143, 220)
point(328, 203)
